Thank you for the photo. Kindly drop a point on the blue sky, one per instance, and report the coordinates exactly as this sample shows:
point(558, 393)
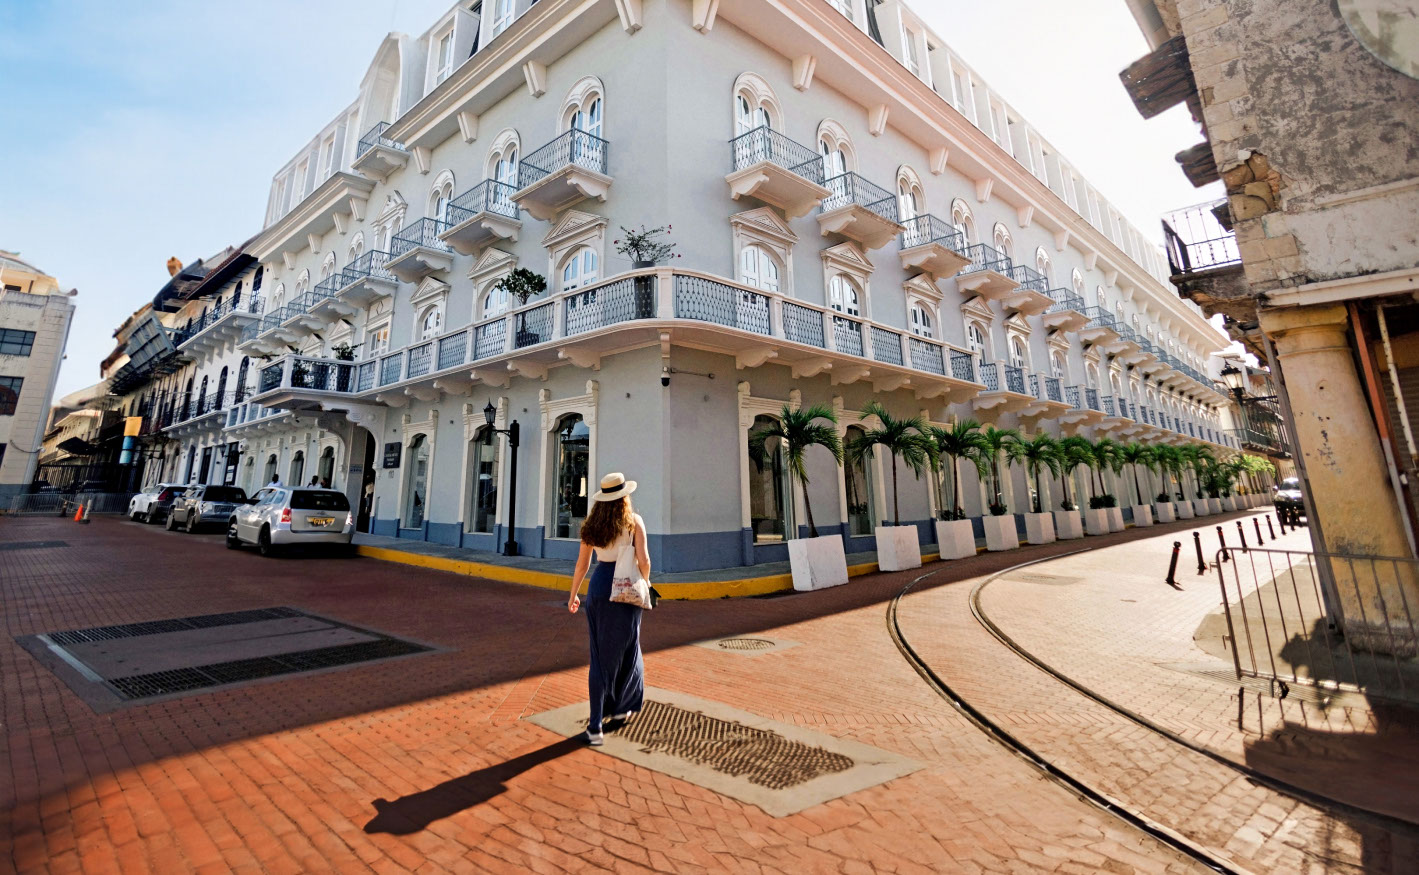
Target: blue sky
point(145, 130)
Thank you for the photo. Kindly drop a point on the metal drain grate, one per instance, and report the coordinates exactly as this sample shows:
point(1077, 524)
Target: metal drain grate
point(33, 545)
point(744, 644)
point(157, 627)
point(757, 755)
point(182, 680)
point(1047, 579)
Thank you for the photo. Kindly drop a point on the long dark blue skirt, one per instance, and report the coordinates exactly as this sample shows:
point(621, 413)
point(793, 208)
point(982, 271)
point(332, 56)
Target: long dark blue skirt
point(617, 676)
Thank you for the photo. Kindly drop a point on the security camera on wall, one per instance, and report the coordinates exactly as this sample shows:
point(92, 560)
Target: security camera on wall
point(665, 376)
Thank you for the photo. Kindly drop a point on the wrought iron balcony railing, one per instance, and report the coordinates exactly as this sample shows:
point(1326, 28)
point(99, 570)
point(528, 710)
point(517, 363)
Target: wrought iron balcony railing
point(1100, 318)
point(849, 188)
point(488, 196)
point(1196, 239)
point(222, 310)
point(375, 137)
point(1065, 299)
point(1072, 397)
point(983, 256)
point(766, 144)
point(928, 229)
point(423, 233)
point(574, 147)
point(1028, 278)
point(370, 264)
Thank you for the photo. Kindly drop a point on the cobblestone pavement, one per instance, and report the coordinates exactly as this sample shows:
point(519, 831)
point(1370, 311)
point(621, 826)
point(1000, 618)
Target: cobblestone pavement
point(426, 764)
point(1106, 619)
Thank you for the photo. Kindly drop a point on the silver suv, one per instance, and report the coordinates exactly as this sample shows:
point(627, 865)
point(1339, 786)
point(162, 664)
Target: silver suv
point(204, 506)
point(282, 516)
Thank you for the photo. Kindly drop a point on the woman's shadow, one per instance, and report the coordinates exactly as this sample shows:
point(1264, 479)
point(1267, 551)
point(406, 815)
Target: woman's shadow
point(412, 813)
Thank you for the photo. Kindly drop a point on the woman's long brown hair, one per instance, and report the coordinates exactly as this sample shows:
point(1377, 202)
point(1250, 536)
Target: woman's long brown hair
point(606, 522)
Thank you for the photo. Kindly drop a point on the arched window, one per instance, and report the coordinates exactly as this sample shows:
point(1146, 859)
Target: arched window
point(1101, 299)
point(202, 403)
point(1076, 279)
point(416, 486)
point(440, 195)
point(857, 482)
point(1057, 366)
point(297, 477)
point(570, 498)
point(921, 321)
point(769, 495)
point(580, 269)
point(302, 283)
point(357, 246)
point(241, 378)
point(835, 149)
point(256, 279)
point(484, 488)
point(278, 297)
point(221, 389)
point(270, 470)
point(191, 460)
point(1019, 353)
point(495, 300)
point(327, 267)
point(962, 221)
point(911, 202)
point(1042, 264)
point(1091, 376)
point(431, 322)
point(326, 468)
point(755, 105)
point(758, 268)
point(843, 295)
point(1001, 235)
point(236, 295)
point(975, 339)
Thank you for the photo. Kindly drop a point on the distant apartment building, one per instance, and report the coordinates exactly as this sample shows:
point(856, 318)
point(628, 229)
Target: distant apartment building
point(34, 326)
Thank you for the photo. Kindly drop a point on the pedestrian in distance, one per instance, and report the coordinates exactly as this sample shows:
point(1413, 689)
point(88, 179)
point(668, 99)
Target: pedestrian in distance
point(612, 531)
point(275, 480)
point(325, 483)
point(314, 480)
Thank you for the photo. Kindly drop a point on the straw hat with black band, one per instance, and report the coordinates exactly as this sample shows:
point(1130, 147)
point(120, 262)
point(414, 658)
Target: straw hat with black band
point(614, 486)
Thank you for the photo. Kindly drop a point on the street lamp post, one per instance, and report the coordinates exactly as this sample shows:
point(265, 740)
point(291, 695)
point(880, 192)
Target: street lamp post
point(512, 431)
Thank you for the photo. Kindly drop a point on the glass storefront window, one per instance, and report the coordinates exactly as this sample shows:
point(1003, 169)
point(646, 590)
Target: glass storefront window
point(573, 460)
point(485, 481)
point(768, 487)
point(859, 491)
point(416, 491)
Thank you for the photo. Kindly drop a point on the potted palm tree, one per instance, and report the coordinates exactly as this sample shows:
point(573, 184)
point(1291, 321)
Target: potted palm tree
point(1195, 459)
point(898, 546)
point(1039, 453)
point(1097, 519)
point(815, 562)
point(999, 445)
point(1169, 505)
point(961, 442)
point(1073, 452)
point(1136, 455)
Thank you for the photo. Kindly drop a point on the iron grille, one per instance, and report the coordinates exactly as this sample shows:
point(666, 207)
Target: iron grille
point(489, 339)
point(452, 349)
point(534, 326)
point(926, 356)
point(708, 301)
point(886, 346)
point(849, 188)
point(389, 369)
point(573, 147)
point(375, 137)
point(488, 196)
point(847, 335)
point(802, 324)
point(620, 301)
point(421, 359)
point(766, 144)
point(963, 366)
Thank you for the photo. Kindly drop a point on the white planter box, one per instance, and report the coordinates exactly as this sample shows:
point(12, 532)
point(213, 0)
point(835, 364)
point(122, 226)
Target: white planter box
point(817, 563)
point(1184, 510)
point(1068, 525)
point(1039, 528)
point(1215, 504)
point(1163, 512)
point(1142, 514)
point(1096, 521)
point(1201, 507)
point(1115, 518)
point(1001, 533)
point(898, 548)
point(956, 539)
point(1230, 503)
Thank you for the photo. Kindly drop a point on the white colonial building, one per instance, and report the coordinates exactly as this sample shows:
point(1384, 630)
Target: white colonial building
point(857, 216)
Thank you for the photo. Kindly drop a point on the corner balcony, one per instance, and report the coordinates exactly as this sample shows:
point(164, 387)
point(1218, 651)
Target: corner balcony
point(1125, 344)
point(571, 168)
point(933, 247)
point(377, 156)
point(1048, 397)
point(1101, 329)
point(859, 211)
point(482, 215)
point(1004, 389)
point(776, 170)
point(226, 323)
point(417, 251)
point(1084, 407)
point(1030, 298)
point(986, 274)
point(367, 279)
point(1066, 313)
point(651, 307)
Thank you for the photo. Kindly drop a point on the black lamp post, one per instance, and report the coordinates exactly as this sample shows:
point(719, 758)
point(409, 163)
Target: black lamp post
point(512, 431)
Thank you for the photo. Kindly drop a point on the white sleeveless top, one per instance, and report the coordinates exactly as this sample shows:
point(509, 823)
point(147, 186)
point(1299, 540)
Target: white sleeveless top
point(611, 552)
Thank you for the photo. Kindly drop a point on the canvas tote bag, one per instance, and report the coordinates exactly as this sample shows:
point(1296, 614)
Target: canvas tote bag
point(627, 585)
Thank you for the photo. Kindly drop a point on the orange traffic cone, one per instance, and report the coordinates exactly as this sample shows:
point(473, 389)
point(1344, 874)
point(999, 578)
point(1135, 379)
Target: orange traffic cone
point(78, 513)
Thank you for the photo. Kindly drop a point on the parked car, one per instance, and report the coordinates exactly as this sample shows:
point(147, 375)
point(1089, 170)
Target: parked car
point(152, 505)
point(1289, 502)
point(282, 516)
point(205, 505)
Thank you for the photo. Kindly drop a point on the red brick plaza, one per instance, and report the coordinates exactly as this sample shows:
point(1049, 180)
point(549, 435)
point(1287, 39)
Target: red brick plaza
point(426, 763)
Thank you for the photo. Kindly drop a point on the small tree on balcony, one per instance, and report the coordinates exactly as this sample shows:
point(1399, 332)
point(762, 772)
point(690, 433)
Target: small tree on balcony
point(523, 284)
point(644, 247)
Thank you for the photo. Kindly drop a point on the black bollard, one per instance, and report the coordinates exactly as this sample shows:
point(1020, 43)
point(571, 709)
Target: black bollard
point(1173, 565)
point(1222, 539)
point(1281, 521)
point(1269, 528)
point(1242, 533)
point(1257, 521)
point(1201, 563)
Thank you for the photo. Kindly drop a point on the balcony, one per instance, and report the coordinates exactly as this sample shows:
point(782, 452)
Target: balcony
point(1004, 389)
point(367, 279)
point(1031, 297)
point(417, 251)
point(1101, 329)
point(776, 170)
point(245, 418)
point(933, 247)
point(223, 324)
point(325, 303)
point(192, 416)
point(1117, 416)
point(377, 156)
point(860, 211)
point(1084, 407)
point(986, 274)
point(1125, 344)
point(1048, 397)
point(1145, 358)
point(482, 215)
point(1066, 313)
point(638, 308)
point(298, 322)
point(571, 168)
point(1204, 260)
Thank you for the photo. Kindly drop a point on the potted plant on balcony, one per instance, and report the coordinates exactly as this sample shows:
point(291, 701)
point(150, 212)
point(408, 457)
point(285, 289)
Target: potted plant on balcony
point(1073, 452)
point(524, 284)
point(955, 535)
point(1039, 453)
point(1134, 455)
point(898, 546)
point(644, 247)
point(816, 562)
point(1001, 533)
point(343, 352)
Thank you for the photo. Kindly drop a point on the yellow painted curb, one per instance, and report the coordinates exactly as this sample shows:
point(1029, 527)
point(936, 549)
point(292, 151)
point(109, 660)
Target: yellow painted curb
point(710, 589)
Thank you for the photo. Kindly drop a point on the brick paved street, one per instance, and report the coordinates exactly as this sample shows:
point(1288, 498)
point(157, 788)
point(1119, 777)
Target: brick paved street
point(425, 764)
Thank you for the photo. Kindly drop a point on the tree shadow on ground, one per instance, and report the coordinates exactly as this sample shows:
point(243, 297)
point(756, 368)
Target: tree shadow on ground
point(413, 813)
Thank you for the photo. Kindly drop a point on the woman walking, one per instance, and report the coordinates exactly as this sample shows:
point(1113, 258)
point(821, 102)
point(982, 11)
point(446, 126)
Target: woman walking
point(617, 675)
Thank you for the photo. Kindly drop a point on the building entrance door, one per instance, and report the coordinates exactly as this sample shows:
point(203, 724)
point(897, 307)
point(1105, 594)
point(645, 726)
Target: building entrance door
point(206, 465)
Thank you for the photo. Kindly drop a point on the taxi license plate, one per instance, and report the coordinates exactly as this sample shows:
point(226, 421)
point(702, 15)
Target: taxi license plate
point(320, 520)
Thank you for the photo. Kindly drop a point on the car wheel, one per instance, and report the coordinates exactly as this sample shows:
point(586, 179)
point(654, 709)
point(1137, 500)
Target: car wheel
point(194, 522)
point(171, 523)
point(263, 543)
point(141, 517)
point(233, 542)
